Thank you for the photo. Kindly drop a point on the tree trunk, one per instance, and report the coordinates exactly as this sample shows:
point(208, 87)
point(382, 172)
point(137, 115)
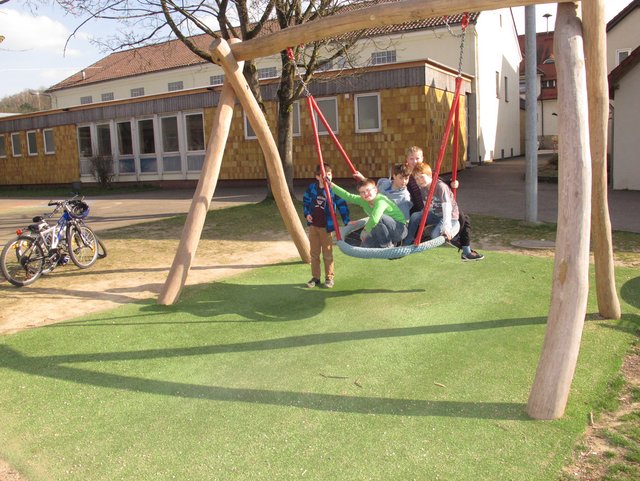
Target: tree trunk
point(250, 73)
point(285, 120)
point(595, 41)
point(561, 346)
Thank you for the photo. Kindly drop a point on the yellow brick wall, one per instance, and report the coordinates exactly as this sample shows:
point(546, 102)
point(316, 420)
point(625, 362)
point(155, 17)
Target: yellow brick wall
point(62, 167)
point(410, 116)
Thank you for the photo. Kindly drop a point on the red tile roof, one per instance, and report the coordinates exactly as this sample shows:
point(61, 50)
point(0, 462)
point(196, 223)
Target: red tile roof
point(173, 54)
point(544, 53)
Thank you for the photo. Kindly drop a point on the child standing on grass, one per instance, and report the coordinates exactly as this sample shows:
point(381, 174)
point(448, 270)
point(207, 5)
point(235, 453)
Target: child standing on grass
point(316, 211)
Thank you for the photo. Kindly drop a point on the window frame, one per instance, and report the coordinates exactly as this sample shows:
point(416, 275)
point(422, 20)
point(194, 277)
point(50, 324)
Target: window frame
point(506, 88)
point(384, 57)
point(91, 141)
point(219, 76)
point(619, 51)
point(246, 128)
point(15, 135)
point(107, 97)
point(265, 73)
point(47, 150)
point(187, 136)
point(356, 111)
point(136, 92)
point(3, 142)
point(161, 122)
point(175, 86)
point(32, 135)
point(319, 123)
point(86, 99)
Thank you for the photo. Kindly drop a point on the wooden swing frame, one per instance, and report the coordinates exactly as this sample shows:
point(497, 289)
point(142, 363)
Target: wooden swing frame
point(580, 48)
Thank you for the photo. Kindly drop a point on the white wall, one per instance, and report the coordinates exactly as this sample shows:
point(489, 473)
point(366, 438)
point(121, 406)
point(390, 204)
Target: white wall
point(625, 35)
point(626, 141)
point(498, 114)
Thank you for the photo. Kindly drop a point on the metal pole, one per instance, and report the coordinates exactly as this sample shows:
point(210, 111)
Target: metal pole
point(531, 142)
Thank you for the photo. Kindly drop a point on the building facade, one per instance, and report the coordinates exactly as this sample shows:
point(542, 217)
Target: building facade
point(150, 109)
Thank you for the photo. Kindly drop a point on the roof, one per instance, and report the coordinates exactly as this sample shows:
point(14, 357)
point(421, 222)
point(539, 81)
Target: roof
point(545, 62)
point(627, 65)
point(174, 54)
point(622, 14)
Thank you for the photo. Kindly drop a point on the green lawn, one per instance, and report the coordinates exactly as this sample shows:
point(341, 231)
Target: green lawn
point(413, 369)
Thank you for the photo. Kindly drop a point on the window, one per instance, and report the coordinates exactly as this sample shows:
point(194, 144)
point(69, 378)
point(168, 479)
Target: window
point(106, 97)
point(195, 132)
point(3, 146)
point(621, 54)
point(16, 148)
point(169, 127)
point(216, 79)
point(506, 88)
point(379, 58)
point(367, 113)
point(145, 136)
point(329, 109)
point(548, 84)
point(84, 142)
point(497, 85)
point(104, 139)
point(32, 143)
point(268, 72)
point(173, 86)
point(248, 130)
point(87, 99)
point(137, 92)
point(125, 139)
point(49, 141)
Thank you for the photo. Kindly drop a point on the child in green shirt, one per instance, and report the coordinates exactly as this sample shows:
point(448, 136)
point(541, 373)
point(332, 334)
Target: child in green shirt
point(387, 225)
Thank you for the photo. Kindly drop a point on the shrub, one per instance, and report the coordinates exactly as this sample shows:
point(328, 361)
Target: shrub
point(102, 168)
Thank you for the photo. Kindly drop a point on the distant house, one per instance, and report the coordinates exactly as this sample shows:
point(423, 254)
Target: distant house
point(547, 95)
point(623, 60)
point(151, 108)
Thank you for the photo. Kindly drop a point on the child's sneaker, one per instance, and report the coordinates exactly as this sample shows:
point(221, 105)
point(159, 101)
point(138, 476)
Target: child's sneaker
point(313, 283)
point(472, 256)
point(328, 283)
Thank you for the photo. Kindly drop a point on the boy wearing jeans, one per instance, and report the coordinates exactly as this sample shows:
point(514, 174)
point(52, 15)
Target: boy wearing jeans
point(316, 211)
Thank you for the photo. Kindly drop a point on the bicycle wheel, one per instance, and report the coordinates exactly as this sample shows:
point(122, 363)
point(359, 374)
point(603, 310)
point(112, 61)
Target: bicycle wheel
point(83, 245)
point(102, 249)
point(21, 261)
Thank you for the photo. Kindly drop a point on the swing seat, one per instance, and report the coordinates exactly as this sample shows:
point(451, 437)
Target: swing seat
point(381, 252)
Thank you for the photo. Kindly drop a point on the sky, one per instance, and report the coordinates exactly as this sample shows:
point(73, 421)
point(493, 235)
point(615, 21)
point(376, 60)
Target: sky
point(33, 53)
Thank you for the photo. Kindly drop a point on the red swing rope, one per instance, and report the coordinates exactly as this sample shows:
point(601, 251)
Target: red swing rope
point(454, 111)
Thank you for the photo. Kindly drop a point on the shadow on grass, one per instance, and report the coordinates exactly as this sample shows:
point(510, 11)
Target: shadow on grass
point(259, 303)
point(58, 367)
point(630, 292)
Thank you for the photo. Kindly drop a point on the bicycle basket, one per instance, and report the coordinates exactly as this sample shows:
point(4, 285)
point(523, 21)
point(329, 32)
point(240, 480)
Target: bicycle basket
point(78, 209)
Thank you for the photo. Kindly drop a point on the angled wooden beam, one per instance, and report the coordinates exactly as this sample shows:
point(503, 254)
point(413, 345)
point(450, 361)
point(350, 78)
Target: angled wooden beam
point(379, 15)
point(201, 198)
point(550, 390)
point(595, 42)
point(222, 55)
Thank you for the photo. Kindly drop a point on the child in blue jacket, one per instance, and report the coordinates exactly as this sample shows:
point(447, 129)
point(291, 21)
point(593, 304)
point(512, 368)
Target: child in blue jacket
point(318, 215)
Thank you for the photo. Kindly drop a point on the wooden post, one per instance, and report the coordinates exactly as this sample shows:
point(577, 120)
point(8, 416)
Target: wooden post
point(221, 53)
point(595, 42)
point(550, 391)
point(201, 198)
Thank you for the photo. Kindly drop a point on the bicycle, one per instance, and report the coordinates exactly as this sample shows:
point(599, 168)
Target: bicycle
point(42, 247)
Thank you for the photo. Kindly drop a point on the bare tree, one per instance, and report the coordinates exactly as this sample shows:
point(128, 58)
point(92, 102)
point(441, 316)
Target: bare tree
point(149, 21)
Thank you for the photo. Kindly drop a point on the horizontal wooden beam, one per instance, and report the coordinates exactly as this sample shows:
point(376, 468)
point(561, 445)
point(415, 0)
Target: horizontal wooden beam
point(376, 16)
